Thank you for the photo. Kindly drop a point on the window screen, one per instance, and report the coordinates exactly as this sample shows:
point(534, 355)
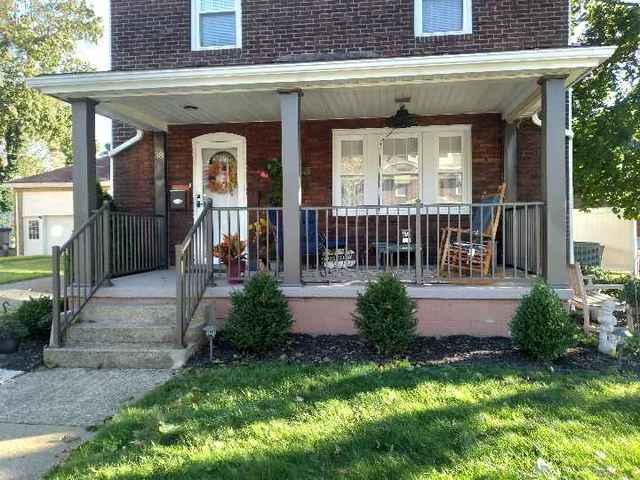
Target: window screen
point(439, 16)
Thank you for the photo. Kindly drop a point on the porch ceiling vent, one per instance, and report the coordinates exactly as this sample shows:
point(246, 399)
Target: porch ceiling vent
point(401, 119)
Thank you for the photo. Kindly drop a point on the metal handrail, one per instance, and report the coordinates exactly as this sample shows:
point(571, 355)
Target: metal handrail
point(108, 244)
point(194, 269)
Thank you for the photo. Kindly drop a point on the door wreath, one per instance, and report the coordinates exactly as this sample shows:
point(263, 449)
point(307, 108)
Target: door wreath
point(222, 172)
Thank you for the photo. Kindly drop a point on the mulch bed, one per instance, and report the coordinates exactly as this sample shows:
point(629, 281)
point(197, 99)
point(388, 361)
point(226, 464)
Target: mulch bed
point(27, 358)
point(424, 351)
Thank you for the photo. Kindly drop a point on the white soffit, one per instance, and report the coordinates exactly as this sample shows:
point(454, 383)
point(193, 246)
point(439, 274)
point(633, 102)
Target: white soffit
point(500, 81)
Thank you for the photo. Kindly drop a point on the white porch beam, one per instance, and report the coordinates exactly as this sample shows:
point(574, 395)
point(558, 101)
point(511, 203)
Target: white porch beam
point(554, 167)
point(291, 187)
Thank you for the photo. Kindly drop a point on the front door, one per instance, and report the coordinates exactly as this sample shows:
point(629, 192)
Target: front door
point(220, 175)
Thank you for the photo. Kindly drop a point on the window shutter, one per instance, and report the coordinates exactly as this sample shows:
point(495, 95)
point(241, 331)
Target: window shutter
point(442, 15)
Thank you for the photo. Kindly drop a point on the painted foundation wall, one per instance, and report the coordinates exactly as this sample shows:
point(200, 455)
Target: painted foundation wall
point(436, 318)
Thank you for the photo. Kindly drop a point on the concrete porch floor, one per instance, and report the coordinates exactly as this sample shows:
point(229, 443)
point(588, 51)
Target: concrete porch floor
point(162, 284)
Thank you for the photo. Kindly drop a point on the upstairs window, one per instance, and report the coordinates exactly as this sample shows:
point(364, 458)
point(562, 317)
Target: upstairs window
point(216, 24)
point(442, 17)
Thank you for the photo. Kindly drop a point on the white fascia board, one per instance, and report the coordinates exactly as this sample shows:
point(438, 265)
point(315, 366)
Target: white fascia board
point(324, 74)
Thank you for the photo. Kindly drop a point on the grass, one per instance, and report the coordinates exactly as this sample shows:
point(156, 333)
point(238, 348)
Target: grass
point(15, 269)
point(364, 421)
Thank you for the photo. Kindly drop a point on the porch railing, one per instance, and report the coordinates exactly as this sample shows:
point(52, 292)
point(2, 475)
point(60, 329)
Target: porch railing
point(109, 244)
point(194, 269)
point(339, 244)
point(425, 243)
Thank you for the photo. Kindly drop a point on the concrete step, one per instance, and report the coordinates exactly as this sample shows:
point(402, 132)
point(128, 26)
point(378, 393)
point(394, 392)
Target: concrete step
point(118, 355)
point(131, 331)
point(116, 332)
point(140, 311)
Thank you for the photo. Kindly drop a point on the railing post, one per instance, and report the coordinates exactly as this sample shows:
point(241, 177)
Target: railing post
point(419, 243)
point(54, 340)
point(106, 243)
point(179, 298)
point(208, 234)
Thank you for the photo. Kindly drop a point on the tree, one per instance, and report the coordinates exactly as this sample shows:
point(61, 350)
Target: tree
point(607, 109)
point(37, 37)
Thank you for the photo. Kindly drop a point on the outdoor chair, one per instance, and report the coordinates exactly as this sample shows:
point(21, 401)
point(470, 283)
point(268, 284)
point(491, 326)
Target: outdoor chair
point(312, 239)
point(472, 250)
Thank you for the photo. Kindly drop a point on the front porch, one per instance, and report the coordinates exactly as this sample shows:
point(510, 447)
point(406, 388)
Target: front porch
point(450, 172)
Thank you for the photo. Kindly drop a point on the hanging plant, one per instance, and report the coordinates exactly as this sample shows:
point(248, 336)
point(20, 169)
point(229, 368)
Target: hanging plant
point(222, 173)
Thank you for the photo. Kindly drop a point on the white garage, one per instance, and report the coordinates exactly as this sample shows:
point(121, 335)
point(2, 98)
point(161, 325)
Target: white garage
point(44, 208)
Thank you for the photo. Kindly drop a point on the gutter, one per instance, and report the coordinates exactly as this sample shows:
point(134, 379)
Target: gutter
point(119, 149)
point(535, 118)
point(122, 147)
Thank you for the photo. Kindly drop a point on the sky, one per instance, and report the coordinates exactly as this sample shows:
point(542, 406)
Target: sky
point(100, 56)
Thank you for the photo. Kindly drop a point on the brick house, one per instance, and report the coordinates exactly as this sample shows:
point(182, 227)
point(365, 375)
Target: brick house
point(397, 126)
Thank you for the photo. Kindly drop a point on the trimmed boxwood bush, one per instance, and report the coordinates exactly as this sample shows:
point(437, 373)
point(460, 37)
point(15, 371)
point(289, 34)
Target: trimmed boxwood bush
point(35, 316)
point(259, 318)
point(541, 327)
point(386, 316)
point(10, 327)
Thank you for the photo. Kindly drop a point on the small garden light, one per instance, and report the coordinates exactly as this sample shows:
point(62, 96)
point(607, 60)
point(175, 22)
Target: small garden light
point(210, 329)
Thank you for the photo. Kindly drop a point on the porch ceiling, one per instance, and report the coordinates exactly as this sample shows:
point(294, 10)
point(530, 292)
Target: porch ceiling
point(502, 82)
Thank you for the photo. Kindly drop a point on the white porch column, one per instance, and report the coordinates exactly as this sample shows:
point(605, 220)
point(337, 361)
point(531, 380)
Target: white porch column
point(511, 161)
point(84, 160)
point(291, 187)
point(554, 186)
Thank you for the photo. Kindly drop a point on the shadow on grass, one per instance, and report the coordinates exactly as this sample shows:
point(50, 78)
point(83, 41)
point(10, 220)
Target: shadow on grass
point(428, 438)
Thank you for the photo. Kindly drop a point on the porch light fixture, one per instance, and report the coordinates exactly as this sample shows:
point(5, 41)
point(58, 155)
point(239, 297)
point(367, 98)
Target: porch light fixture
point(190, 107)
point(401, 119)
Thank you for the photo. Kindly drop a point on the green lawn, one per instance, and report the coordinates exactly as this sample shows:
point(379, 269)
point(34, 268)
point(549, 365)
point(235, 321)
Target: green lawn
point(279, 421)
point(15, 269)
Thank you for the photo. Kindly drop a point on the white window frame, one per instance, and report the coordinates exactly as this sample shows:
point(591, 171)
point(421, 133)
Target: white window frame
point(195, 26)
point(467, 21)
point(428, 141)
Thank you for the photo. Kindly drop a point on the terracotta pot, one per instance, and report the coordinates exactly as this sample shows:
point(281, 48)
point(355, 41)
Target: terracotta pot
point(8, 345)
point(235, 271)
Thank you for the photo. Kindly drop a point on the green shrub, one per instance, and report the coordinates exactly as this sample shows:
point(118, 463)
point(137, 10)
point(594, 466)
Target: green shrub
point(632, 347)
point(259, 318)
point(35, 316)
point(631, 295)
point(386, 316)
point(11, 327)
point(541, 327)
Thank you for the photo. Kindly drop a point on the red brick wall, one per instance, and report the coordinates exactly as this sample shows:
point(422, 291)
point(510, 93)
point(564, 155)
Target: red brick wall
point(529, 163)
point(150, 34)
point(263, 144)
point(133, 169)
point(133, 177)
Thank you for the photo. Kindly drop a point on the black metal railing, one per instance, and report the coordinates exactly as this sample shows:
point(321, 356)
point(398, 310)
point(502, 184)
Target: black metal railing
point(108, 244)
point(194, 269)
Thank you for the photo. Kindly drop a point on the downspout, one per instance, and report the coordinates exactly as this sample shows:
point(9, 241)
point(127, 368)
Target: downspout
point(119, 149)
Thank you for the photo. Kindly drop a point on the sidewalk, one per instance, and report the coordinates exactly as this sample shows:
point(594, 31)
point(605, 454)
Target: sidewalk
point(45, 414)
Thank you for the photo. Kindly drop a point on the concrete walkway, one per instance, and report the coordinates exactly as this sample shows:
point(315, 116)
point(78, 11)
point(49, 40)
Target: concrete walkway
point(45, 414)
point(18, 292)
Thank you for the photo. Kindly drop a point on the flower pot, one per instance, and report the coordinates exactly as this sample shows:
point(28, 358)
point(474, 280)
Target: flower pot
point(235, 271)
point(9, 345)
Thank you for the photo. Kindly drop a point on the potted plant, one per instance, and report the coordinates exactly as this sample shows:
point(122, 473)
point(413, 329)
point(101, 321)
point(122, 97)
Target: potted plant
point(231, 253)
point(11, 332)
